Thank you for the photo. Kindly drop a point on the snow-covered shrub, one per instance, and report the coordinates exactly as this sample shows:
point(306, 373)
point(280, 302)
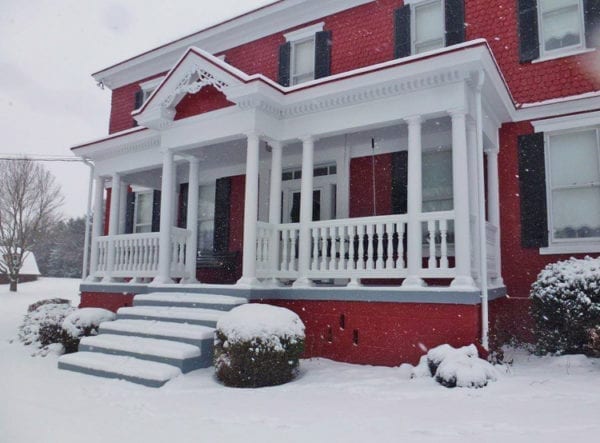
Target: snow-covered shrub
point(258, 345)
point(48, 301)
point(566, 305)
point(82, 323)
point(455, 367)
point(593, 344)
point(50, 315)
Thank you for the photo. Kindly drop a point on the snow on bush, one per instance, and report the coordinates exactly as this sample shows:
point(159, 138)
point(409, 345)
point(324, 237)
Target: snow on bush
point(566, 305)
point(455, 367)
point(83, 323)
point(258, 345)
point(45, 319)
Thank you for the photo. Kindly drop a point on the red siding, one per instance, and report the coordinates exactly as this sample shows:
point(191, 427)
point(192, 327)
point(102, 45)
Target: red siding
point(107, 210)
point(111, 301)
point(361, 185)
point(208, 99)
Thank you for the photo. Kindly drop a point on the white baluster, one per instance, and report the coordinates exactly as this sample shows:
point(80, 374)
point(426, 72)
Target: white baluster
point(370, 254)
point(431, 229)
point(341, 266)
point(379, 263)
point(294, 236)
point(361, 247)
point(324, 260)
point(315, 248)
point(389, 229)
point(444, 244)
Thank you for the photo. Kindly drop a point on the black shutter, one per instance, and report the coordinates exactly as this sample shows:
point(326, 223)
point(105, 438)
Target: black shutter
point(156, 211)
point(399, 182)
point(532, 184)
point(139, 101)
point(529, 44)
point(285, 51)
point(455, 22)
point(402, 32)
point(322, 54)
point(183, 204)
point(129, 212)
point(222, 204)
point(591, 11)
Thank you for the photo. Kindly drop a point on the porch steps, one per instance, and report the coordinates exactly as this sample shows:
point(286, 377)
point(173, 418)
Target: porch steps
point(162, 336)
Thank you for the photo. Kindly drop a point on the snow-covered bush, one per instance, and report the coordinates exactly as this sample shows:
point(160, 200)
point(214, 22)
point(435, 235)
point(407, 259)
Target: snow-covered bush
point(258, 345)
point(456, 367)
point(82, 323)
point(48, 301)
point(43, 319)
point(565, 304)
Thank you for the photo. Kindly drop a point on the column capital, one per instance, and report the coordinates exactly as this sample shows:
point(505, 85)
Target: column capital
point(457, 112)
point(307, 138)
point(253, 134)
point(414, 119)
point(191, 159)
point(275, 144)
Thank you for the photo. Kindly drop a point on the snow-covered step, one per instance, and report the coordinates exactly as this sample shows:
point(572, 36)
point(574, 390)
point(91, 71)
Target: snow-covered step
point(182, 299)
point(196, 316)
point(180, 332)
point(148, 373)
point(181, 355)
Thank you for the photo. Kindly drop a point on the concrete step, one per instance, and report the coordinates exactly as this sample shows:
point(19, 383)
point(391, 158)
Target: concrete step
point(147, 373)
point(195, 316)
point(184, 356)
point(180, 332)
point(187, 300)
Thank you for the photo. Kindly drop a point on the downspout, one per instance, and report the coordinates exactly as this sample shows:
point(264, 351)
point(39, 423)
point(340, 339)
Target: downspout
point(483, 270)
point(88, 215)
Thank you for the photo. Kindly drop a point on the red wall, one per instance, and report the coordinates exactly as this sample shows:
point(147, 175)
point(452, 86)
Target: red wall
point(111, 301)
point(206, 100)
point(361, 185)
point(107, 210)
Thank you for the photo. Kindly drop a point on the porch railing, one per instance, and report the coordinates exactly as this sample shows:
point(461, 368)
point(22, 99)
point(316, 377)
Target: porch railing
point(136, 255)
point(491, 234)
point(367, 247)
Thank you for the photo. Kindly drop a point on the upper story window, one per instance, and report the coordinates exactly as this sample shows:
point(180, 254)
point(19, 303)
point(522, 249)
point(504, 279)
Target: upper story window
point(428, 26)
point(561, 25)
point(145, 91)
point(425, 25)
point(305, 56)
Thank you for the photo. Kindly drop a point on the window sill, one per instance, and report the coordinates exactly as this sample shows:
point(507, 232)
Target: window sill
point(572, 248)
point(563, 54)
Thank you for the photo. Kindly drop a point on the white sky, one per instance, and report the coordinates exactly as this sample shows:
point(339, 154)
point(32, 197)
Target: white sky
point(49, 48)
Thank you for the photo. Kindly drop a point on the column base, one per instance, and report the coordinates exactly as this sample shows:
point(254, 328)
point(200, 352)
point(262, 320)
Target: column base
point(463, 282)
point(190, 281)
point(303, 282)
point(354, 283)
point(273, 283)
point(159, 280)
point(413, 281)
point(248, 282)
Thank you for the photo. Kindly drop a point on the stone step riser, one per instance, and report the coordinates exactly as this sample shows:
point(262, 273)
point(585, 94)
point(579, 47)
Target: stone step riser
point(186, 365)
point(201, 343)
point(109, 374)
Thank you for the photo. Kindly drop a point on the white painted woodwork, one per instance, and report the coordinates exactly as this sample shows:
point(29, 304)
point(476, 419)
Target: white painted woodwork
point(166, 223)
point(275, 199)
point(493, 202)
point(192, 219)
point(113, 223)
point(97, 225)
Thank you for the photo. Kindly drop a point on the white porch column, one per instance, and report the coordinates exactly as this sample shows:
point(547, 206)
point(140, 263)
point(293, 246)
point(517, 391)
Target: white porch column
point(306, 211)
point(97, 224)
point(472, 173)
point(493, 205)
point(460, 181)
point(250, 212)
point(275, 203)
point(191, 249)
point(414, 204)
point(166, 220)
point(113, 225)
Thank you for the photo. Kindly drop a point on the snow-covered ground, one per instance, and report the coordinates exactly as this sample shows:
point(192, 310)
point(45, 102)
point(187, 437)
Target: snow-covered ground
point(537, 400)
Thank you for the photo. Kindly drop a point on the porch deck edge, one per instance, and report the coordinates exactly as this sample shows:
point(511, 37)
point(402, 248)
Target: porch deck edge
point(439, 295)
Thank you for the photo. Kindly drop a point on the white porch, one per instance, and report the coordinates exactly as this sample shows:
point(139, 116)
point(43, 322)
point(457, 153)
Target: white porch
point(452, 104)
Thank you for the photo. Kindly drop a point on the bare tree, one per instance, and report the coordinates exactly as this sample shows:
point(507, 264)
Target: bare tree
point(29, 202)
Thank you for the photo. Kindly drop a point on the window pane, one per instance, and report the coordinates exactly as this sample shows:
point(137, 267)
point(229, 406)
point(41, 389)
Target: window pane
point(143, 228)
point(143, 209)
point(206, 202)
point(206, 233)
point(437, 181)
point(429, 23)
point(561, 28)
point(304, 57)
point(429, 46)
point(574, 159)
point(551, 5)
point(576, 212)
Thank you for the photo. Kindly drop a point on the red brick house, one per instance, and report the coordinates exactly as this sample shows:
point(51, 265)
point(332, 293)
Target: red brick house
point(396, 172)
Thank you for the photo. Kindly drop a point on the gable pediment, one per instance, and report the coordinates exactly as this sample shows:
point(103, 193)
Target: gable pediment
point(196, 70)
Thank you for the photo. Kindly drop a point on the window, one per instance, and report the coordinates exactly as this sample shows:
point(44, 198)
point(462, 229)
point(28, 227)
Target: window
point(143, 212)
point(303, 61)
point(206, 218)
point(428, 26)
point(437, 181)
point(573, 186)
point(305, 56)
point(561, 26)
point(146, 90)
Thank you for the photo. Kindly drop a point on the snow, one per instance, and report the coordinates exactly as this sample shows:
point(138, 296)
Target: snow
point(190, 314)
point(139, 345)
point(536, 399)
point(265, 322)
point(48, 313)
point(85, 318)
point(177, 297)
point(30, 266)
point(159, 328)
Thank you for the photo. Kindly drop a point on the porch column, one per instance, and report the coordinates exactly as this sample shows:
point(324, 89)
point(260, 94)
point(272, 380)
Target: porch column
point(113, 226)
point(250, 212)
point(493, 207)
point(462, 217)
point(275, 203)
point(191, 249)
point(414, 204)
point(473, 175)
point(97, 224)
point(166, 220)
point(306, 211)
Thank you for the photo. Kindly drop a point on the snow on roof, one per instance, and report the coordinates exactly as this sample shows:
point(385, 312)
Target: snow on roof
point(30, 266)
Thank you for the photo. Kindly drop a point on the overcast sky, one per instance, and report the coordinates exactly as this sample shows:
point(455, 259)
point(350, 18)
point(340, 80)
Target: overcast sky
point(49, 48)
